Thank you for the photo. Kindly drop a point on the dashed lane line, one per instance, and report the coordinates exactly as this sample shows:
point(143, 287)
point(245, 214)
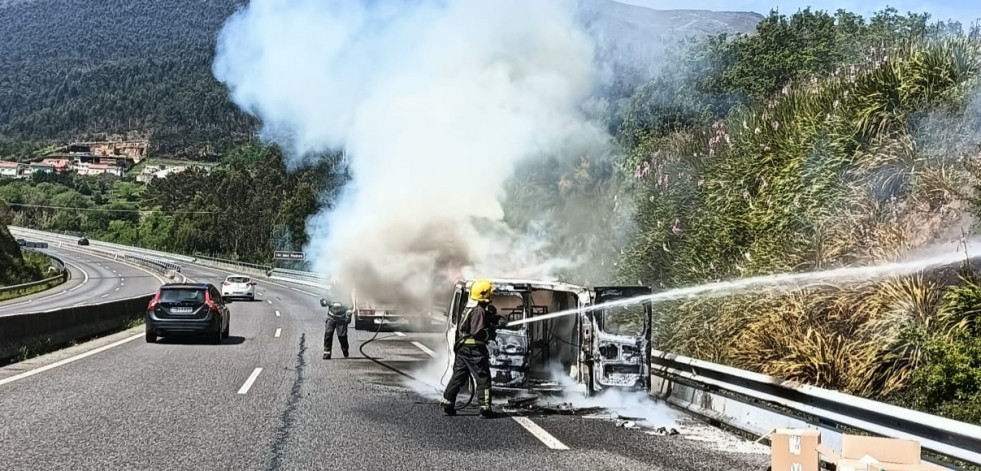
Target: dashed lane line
point(540, 433)
point(67, 360)
point(424, 348)
point(277, 313)
point(278, 331)
point(248, 383)
point(400, 334)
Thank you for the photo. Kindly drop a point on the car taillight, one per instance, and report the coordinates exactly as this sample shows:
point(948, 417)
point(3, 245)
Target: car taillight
point(153, 302)
point(208, 302)
point(226, 284)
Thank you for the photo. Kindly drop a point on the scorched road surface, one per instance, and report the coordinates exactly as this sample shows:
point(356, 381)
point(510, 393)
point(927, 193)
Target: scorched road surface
point(264, 399)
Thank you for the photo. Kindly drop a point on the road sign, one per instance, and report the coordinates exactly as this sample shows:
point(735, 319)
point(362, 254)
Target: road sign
point(284, 255)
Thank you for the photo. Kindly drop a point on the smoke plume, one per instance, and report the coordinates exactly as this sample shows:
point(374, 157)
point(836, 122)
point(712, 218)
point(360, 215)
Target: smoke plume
point(434, 104)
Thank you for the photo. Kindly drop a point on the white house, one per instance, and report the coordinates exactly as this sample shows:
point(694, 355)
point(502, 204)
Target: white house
point(12, 169)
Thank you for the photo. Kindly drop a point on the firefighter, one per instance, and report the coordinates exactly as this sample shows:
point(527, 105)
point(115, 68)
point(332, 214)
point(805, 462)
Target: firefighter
point(477, 326)
point(338, 317)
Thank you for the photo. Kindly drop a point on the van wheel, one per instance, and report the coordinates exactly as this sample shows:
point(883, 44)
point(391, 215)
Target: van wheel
point(151, 336)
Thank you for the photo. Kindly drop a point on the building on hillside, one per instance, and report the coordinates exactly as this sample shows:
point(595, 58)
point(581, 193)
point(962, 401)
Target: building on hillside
point(133, 151)
point(163, 171)
point(88, 169)
point(59, 165)
point(41, 167)
point(13, 170)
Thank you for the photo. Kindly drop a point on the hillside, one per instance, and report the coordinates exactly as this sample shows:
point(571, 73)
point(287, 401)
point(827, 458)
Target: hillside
point(76, 68)
point(13, 270)
point(81, 68)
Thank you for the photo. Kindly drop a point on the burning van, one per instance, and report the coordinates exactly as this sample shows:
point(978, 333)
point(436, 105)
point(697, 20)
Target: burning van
point(600, 348)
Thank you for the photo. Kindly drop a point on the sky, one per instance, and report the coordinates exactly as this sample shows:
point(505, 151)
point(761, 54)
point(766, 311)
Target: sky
point(964, 11)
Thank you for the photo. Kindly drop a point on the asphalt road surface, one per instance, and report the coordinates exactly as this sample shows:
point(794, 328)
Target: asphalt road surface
point(95, 278)
point(264, 400)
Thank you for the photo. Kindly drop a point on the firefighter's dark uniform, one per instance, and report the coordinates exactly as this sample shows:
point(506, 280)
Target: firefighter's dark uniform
point(477, 326)
point(338, 317)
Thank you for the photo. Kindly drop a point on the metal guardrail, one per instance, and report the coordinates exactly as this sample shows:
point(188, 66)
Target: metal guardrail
point(56, 263)
point(717, 391)
point(305, 275)
point(235, 262)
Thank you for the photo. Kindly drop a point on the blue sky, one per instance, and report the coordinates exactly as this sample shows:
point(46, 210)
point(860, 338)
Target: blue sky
point(964, 11)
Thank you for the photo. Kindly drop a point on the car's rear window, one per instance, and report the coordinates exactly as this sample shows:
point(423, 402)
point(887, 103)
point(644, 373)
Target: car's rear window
point(176, 295)
point(238, 279)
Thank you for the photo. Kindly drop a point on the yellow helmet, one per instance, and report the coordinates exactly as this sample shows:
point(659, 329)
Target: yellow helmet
point(481, 290)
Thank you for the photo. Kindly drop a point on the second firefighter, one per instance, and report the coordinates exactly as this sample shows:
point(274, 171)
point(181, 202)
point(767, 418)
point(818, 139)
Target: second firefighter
point(338, 317)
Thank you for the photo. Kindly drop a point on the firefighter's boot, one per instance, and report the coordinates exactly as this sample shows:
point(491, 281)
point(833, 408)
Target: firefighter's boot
point(448, 407)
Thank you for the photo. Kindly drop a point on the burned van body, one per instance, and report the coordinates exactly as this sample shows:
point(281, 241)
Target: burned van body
point(604, 348)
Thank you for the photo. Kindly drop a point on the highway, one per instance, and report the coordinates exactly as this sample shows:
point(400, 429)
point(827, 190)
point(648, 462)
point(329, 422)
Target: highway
point(264, 399)
point(95, 278)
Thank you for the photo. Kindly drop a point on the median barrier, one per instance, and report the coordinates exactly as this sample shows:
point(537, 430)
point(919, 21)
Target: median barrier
point(42, 331)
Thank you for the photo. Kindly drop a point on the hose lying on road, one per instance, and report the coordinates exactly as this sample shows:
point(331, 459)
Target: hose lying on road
point(473, 385)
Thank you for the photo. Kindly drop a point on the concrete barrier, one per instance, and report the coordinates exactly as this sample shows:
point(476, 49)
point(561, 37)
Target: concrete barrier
point(41, 331)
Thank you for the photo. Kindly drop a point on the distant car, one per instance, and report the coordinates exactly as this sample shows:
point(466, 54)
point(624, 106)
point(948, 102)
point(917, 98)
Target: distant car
point(238, 286)
point(83, 241)
point(21, 242)
point(181, 309)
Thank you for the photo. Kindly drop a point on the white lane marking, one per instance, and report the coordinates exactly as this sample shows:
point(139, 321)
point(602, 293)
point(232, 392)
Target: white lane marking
point(540, 433)
point(277, 313)
point(117, 289)
point(400, 334)
point(278, 331)
point(122, 284)
point(425, 349)
point(269, 301)
point(248, 383)
point(104, 295)
point(67, 360)
point(304, 292)
point(122, 280)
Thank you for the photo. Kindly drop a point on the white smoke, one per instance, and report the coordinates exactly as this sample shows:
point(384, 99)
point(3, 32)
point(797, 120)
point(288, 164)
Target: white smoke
point(434, 104)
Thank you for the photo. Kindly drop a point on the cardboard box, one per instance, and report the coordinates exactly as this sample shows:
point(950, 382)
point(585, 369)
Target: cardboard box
point(880, 450)
point(860, 453)
point(794, 449)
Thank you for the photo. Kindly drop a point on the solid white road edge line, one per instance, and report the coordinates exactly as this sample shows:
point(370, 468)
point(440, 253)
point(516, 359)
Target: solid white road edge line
point(85, 274)
point(248, 383)
point(67, 360)
point(278, 331)
point(424, 349)
point(540, 433)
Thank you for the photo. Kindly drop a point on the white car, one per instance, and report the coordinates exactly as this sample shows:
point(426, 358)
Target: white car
point(238, 286)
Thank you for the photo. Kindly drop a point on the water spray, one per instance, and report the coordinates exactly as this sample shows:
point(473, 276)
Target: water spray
point(799, 280)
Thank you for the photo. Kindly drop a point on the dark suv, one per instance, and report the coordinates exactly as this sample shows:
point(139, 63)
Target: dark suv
point(187, 309)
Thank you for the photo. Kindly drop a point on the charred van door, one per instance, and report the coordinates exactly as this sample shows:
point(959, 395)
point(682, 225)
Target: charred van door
point(619, 341)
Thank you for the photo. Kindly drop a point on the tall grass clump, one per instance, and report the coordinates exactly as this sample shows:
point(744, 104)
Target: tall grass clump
point(862, 165)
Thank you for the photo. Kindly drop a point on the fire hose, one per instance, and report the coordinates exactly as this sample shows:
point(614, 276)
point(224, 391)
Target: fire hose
point(473, 384)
